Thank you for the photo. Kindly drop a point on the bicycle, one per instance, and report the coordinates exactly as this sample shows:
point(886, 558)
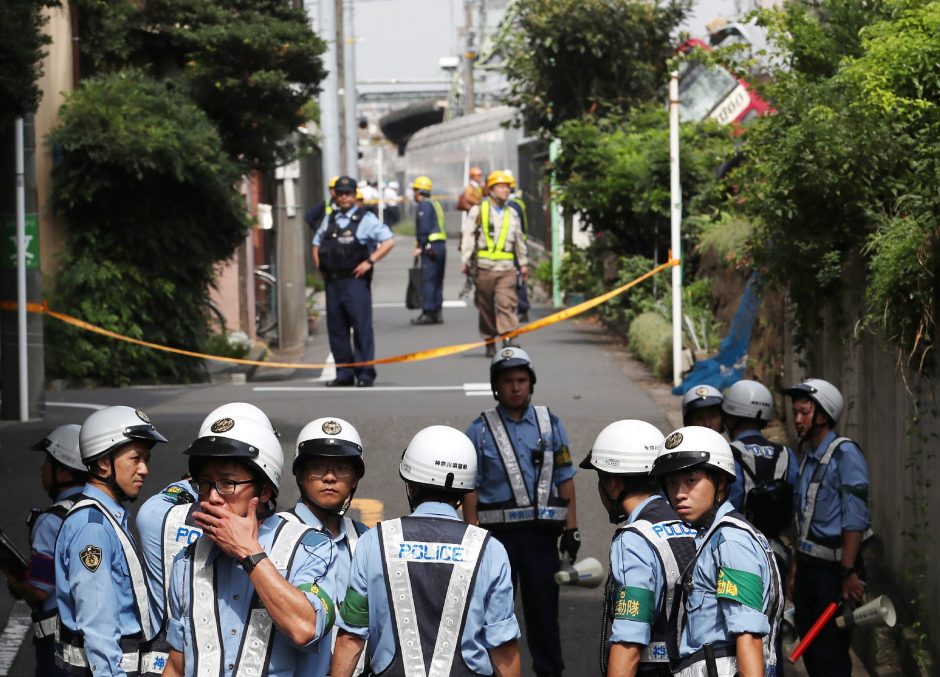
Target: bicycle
point(265, 301)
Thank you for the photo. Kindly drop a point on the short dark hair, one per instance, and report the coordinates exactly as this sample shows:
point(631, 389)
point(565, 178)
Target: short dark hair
point(636, 483)
point(425, 493)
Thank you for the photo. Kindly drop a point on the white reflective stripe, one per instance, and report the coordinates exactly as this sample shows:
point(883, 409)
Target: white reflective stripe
point(727, 667)
point(455, 603)
point(288, 516)
point(655, 652)
point(668, 558)
point(134, 565)
point(258, 631)
point(45, 628)
point(782, 468)
point(806, 517)
point(514, 515)
point(153, 662)
point(544, 487)
point(510, 462)
point(75, 656)
point(747, 458)
point(174, 520)
point(352, 536)
point(403, 605)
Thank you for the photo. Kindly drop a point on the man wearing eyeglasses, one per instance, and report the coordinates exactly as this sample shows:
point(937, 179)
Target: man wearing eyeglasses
point(328, 466)
point(249, 596)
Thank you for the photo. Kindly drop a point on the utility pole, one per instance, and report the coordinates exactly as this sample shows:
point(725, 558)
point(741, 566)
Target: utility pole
point(350, 126)
point(676, 222)
point(469, 57)
point(340, 50)
point(329, 102)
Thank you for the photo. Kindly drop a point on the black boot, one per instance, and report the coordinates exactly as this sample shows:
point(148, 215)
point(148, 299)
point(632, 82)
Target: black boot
point(423, 318)
point(438, 317)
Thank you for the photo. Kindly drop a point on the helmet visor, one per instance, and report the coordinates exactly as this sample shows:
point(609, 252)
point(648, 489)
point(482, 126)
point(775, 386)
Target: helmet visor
point(222, 447)
point(678, 460)
point(586, 463)
point(144, 432)
point(331, 448)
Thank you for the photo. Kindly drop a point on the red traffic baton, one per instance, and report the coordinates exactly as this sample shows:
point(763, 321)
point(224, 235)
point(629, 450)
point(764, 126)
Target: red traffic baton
point(820, 623)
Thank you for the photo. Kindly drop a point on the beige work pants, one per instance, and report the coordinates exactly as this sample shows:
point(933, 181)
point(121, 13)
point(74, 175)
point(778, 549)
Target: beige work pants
point(496, 299)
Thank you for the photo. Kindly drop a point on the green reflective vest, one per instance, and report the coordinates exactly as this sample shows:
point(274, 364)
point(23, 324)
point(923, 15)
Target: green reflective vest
point(442, 234)
point(495, 250)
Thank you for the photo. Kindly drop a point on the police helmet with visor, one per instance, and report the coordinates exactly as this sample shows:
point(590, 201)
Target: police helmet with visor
point(62, 446)
point(235, 410)
point(748, 399)
point(824, 394)
point(112, 427)
point(627, 447)
point(442, 457)
point(329, 437)
point(694, 447)
point(699, 397)
point(511, 357)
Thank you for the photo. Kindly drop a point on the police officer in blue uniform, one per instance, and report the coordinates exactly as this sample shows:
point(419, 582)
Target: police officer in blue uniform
point(328, 466)
point(104, 604)
point(406, 568)
point(345, 249)
point(248, 597)
point(431, 246)
point(63, 475)
point(732, 600)
point(702, 406)
point(650, 550)
point(525, 497)
point(165, 521)
point(832, 521)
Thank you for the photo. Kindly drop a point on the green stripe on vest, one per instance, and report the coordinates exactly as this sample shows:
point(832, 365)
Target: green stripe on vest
point(741, 586)
point(355, 609)
point(328, 606)
point(634, 604)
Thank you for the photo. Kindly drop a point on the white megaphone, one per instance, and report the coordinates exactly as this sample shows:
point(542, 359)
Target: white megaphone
point(879, 611)
point(587, 573)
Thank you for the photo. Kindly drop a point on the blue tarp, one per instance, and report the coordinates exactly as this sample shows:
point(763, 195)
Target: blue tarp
point(728, 365)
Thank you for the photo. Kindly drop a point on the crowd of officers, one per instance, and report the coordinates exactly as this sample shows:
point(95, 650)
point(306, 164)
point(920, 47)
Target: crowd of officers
point(220, 583)
point(349, 240)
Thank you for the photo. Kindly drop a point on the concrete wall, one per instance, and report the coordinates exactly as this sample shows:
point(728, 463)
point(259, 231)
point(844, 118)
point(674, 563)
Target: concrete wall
point(892, 413)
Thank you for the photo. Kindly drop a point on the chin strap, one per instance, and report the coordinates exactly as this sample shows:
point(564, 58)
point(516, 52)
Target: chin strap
point(618, 503)
point(111, 481)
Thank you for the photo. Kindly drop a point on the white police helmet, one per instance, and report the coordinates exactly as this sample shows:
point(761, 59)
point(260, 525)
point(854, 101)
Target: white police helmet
point(511, 357)
point(624, 448)
point(331, 437)
point(245, 438)
point(748, 399)
point(109, 428)
point(691, 447)
point(440, 456)
point(62, 445)
point(699, 397)
point(236, 410)
point(823, 393)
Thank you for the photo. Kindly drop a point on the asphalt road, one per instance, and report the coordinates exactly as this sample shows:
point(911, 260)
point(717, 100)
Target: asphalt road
point(582, 376)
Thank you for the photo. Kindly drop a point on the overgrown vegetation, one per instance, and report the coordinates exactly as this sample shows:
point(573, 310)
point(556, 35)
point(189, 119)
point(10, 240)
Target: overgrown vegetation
point(180, 99)
point(22, 44)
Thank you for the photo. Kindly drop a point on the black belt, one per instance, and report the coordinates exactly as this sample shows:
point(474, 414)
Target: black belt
point(699, 656)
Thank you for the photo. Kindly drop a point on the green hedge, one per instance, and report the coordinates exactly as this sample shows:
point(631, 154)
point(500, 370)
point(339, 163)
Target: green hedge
point(651, 340)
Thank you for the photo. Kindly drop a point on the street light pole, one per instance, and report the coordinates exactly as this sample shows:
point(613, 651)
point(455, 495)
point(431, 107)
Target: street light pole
point(21, 270)
point(469, 57)
point(676, 220)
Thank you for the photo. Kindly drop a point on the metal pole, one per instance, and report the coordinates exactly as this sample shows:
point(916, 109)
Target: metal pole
point(349, 90)
point(469, 56)
point(675, 188)
point(21, 270)
point(329, 101)
point(379, 173)
point(558, 225)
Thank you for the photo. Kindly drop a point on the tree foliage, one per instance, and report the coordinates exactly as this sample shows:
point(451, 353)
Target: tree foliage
point(569, 58)
point(146, 189)
point(21, 52)
point(849, 167)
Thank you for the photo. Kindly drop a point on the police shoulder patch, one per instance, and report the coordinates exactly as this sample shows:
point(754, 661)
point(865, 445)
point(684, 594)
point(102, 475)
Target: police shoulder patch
point(90, 557)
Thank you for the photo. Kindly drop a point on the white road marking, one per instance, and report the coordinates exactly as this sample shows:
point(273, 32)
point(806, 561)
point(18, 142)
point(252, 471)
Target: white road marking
point(469, 389)
point(14, 633)
point(76, 405)
point(329, 371)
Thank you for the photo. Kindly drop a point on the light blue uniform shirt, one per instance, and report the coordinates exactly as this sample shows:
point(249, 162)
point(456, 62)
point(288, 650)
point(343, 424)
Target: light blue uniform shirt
point(41, 572)
point(714, 619)
point(492, 484)
point(234, 593)
point(370, 232)
point(736, 492)
point(490, 616)
point(97, 602)
point(337, 576)
point(842, 499)
point(150, 528)
point(635, 564)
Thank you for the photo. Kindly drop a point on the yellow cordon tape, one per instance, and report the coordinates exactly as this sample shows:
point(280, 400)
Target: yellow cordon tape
point(430, 354)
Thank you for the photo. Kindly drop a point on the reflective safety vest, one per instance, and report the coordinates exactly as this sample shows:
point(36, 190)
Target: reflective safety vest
point(429, 603)
point(340, 250)
point(254, 652)
point(137, 657)
point(441, 235)
point(768, 494)
point(805, 543)
point(44, 623)
point(674, 543)
point(173, 522)
point(495, 251)
point(519, 205)
point(547, 507)
point(696, 664)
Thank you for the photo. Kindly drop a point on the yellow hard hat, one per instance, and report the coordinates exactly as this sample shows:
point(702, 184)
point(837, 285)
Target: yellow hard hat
point(499, 176)
point(359, 195)
point(333, 180)
point(422, 183)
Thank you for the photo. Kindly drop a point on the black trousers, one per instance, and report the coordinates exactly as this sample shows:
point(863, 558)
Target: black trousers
point(817, 584)
point(533, 556)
